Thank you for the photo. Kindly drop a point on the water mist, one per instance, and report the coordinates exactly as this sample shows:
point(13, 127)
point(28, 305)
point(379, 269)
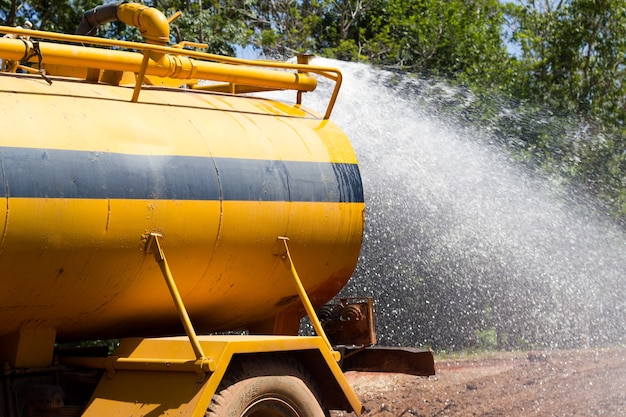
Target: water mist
point(464, 246)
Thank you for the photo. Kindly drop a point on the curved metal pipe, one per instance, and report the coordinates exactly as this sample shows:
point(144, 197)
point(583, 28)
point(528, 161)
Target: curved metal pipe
point(166, 65)
point(152, 24)
point(96, 17)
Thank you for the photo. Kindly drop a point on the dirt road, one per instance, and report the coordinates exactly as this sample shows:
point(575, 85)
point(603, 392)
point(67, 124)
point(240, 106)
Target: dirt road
point(555, 383)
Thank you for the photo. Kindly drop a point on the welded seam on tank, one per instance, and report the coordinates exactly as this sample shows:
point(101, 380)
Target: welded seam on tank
point(220, 222)
point(108, 221)
point(53, 173)
point(5, 186)
point(221, 216)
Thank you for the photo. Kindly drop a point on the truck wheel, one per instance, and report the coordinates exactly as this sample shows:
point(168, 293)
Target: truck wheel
point(266, 388)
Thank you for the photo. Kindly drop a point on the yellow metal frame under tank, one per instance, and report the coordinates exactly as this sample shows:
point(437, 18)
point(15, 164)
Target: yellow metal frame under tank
point(139, 382)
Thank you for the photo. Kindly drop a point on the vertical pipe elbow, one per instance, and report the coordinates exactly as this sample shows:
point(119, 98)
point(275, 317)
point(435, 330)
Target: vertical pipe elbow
point(152, 24)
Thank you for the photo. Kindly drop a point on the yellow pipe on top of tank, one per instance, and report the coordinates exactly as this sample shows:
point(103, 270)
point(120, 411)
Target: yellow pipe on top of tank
point(166, 65)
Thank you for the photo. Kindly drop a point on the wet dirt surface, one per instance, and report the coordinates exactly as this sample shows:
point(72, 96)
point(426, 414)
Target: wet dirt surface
point(551, 383)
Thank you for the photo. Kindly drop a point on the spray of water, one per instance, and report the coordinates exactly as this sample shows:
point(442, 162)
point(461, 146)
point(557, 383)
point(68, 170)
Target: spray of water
point(465, 247)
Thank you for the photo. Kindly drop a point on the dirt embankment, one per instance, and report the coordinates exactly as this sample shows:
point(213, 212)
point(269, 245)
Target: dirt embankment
point(555, 383)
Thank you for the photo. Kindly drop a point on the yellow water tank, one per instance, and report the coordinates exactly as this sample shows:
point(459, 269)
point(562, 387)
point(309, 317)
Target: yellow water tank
point(86, 175)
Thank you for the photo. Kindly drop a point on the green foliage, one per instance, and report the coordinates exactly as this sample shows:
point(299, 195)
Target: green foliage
point(571, 64)
point(220, 25)
point(53, 15)
point(347, 50)
point(487, 339)
point(456, 39)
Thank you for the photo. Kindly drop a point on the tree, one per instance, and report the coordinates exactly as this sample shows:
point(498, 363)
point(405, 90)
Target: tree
point(573, 63)
point(220, 24)
point(574, 55)
point(455, 39)
point(52, 15)
point(277, 27)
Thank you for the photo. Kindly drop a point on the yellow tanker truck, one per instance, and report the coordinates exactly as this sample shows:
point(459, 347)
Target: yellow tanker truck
point(148, 196)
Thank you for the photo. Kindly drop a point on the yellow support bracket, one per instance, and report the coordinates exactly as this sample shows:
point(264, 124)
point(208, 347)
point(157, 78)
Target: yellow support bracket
point(308, 306)
point(154, 246)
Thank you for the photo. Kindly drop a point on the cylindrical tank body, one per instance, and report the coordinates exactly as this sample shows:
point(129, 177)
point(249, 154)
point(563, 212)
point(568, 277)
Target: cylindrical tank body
point(86, 175)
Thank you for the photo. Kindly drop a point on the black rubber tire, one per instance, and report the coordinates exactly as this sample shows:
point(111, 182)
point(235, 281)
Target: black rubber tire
point(266, 388)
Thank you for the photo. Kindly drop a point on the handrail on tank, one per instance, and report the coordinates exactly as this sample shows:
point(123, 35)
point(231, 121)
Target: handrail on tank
point(259, 73)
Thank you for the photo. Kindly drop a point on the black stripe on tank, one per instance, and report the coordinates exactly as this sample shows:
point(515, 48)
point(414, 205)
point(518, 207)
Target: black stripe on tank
point(53, 173)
